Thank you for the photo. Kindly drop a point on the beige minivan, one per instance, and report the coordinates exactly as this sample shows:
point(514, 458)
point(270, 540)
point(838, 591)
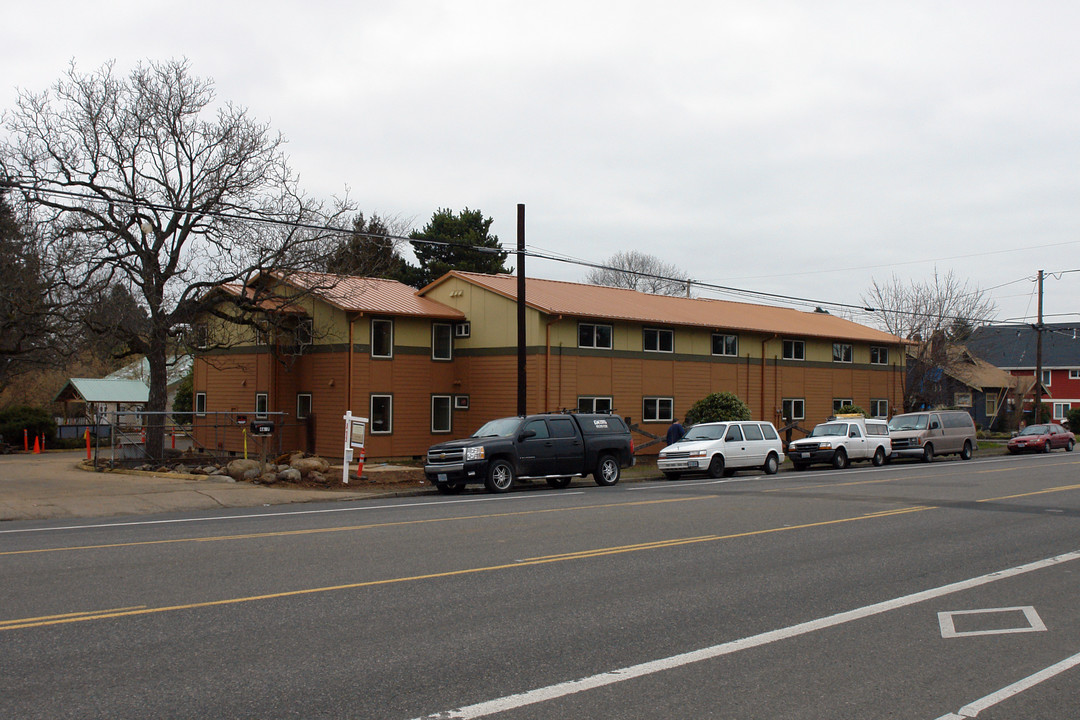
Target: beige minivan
point(933, 432)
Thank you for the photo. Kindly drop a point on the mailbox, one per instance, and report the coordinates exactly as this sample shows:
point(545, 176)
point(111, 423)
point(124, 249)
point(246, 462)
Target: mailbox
point(262, 427)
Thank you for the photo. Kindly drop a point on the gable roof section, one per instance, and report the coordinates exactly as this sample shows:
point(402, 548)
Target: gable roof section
point(93, 390)
point(555, 297)
point(372, 296)
point(1013, 346)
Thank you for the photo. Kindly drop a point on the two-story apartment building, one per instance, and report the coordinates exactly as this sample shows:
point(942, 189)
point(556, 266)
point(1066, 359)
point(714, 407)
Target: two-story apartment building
point(441, 361)
point(1013, 348)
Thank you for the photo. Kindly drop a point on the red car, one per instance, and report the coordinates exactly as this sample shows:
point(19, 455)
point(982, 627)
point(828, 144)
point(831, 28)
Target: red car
point(1042, 438)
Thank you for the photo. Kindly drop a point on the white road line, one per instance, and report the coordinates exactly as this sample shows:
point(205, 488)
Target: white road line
point(611, 677)
point(506, 498)
point(973, 709)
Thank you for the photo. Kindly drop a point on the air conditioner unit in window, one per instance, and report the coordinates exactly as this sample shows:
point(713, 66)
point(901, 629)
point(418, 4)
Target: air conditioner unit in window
point(462, 330)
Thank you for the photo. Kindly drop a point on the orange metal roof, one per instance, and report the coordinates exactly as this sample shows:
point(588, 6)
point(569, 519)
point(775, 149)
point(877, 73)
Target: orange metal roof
point(371, 295)
point(555, 297)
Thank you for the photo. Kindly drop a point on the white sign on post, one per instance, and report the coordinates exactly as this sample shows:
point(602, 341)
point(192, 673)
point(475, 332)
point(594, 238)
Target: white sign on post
point(355, 427)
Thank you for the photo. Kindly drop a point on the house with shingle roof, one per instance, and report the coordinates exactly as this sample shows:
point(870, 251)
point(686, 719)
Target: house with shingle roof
point(1014, 348)
point(438, 362)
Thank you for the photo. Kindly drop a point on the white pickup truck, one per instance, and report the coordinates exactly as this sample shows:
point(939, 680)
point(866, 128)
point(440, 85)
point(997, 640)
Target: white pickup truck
point(840, 440)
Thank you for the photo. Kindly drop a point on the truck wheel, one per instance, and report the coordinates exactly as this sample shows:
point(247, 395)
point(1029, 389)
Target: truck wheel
point(772, 464)
point(879, 457)
point(928, 453)
point(965, 454)
point(839, 459)
point(500, 477)
point(607, 470)
point(716, 466)
point(559, 482)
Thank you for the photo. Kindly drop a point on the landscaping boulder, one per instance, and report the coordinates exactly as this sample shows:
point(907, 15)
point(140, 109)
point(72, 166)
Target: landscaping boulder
point(289, 475)
point(237, 469)
point(306, 466)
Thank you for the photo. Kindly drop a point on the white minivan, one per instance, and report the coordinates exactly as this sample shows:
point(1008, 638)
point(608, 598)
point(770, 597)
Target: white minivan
point(721, 448)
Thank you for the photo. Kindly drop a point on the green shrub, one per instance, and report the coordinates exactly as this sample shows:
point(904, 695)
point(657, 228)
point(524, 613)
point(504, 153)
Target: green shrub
point(1072, 418)
point(851, 410)
point(718, 407)
point(14, 420)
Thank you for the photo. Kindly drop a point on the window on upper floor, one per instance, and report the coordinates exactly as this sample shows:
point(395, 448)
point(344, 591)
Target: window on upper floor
point(841, 352)
point(262, 404)
point(382, 338)
point(1046, 378)
point(727, 345)
point(794, 350)
point(879, 355)
point(442, 341)
point(658, 340)
point(591, 335)
point(200, 404)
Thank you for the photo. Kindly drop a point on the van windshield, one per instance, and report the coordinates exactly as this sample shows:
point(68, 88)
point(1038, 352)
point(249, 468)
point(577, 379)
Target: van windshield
point(705, 432)
point(908, 422)
point(829, 429)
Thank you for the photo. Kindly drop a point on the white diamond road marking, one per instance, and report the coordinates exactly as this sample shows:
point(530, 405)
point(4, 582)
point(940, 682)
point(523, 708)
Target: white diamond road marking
point(948, 627)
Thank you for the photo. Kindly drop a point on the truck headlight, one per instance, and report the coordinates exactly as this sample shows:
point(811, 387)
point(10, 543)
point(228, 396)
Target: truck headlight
point(825, 446)
point(474, 453)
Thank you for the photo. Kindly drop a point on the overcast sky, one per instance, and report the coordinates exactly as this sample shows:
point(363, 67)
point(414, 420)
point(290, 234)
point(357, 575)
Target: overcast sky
point(801, 148)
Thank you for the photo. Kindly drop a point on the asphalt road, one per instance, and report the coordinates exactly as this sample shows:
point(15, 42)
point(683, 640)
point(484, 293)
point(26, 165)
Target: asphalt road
point(909, 591)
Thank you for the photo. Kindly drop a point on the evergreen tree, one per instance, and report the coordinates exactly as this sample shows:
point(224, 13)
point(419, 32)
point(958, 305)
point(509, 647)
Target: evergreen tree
point(455, 242)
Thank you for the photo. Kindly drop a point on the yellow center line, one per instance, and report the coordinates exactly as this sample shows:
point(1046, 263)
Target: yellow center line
point(350, 528)
point(45, 621)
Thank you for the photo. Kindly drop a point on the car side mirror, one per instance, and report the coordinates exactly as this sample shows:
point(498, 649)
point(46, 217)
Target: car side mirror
point(526, 434)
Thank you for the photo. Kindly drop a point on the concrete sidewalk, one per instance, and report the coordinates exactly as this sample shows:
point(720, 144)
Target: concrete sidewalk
point(50, 485)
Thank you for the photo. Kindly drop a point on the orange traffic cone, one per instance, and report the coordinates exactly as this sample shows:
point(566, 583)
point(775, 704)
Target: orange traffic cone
point(360, 464)
point(37, 446)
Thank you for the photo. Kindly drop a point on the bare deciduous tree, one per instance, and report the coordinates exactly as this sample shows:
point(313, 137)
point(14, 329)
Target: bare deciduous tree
point(635, 270)
point(149, 181)
point(932, 314)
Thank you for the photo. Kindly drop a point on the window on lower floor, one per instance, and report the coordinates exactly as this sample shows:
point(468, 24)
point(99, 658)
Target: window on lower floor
point(962, 399)
point(200, 404)
point(382, 414)
point(991, 406)
point(657, 409)
point(879, 408)
point(793, 409)
point(594, 404)
point(441, 421)
point(262, 404)
point(1061, 410)
point(839, 403)
point(303, 405)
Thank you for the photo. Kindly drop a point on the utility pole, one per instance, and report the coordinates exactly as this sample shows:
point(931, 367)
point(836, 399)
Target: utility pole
point(522, 379)
point(1038, 354)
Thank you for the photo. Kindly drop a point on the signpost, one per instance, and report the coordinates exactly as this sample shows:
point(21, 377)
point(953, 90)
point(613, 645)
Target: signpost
point(355, 429)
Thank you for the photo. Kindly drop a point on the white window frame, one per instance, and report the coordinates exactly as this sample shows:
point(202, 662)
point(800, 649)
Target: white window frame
point(838, 403)
point(461, 402)
point(592, 400)
point(390, 413)
point(842, 352)
point(658, 407)
point(595, 326)
point(724, 337)
point(449, 400)
point(875, 408)
point(1047, 375)
point(380, 321)
point(449, 329)
point(799, 403)
point(262, 398)
point(794, 345)
point(302, 415)
point(199, 406)
point(1061, 410)
point(657, 334)
point(1074, 374)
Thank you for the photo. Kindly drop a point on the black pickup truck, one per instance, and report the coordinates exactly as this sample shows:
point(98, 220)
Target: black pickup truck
point(555, 447)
